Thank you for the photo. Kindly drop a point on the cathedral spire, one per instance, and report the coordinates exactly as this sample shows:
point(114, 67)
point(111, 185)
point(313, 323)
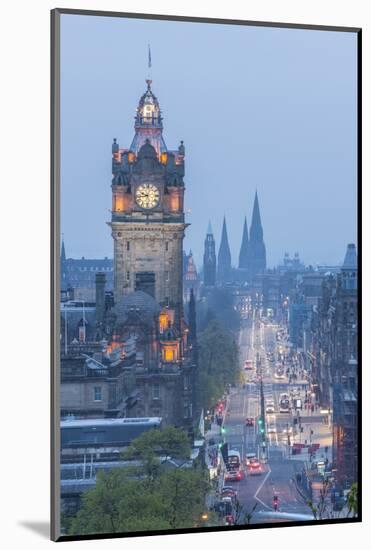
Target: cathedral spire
point(224, 257)
point(243, 260)
point(256, 229)
point(257, 255)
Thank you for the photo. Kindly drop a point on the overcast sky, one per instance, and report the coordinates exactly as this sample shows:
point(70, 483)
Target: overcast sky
point(258, 108)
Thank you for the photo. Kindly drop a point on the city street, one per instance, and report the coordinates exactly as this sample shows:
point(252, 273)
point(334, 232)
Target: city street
point(278, 469)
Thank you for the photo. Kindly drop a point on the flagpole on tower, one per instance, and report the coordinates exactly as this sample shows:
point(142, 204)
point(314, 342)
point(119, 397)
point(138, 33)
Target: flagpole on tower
point(149, 79)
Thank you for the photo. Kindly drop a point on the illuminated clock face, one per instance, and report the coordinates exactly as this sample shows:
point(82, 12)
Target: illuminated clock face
point(147, 195)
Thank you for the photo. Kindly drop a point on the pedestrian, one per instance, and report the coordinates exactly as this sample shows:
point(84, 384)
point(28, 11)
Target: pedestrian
point(312, 408)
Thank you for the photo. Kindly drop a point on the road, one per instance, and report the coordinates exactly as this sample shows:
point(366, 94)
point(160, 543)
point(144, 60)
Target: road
point(245, 401)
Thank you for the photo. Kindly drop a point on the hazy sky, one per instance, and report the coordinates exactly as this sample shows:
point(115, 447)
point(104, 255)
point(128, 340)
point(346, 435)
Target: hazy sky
point(258, 108)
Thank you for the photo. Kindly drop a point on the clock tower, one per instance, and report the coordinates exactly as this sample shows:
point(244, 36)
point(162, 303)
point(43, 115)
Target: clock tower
point(147, 220)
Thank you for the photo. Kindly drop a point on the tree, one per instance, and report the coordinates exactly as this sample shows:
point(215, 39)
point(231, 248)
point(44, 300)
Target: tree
point(184, 493)
point(352, 501)
point(120, 503)
point(152, 446)
point(218, 363)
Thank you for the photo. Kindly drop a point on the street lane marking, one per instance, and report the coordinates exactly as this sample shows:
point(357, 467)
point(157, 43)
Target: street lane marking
point(259, 489)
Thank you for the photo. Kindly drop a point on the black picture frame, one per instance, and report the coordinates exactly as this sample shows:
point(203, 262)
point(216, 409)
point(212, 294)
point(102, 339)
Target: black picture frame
point(55, 238)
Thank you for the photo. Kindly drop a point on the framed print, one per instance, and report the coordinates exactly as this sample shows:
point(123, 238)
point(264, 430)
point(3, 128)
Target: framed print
point(206, 274)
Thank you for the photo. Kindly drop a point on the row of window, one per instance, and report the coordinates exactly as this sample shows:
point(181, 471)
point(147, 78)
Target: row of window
point(167, 276)
point(93, 268)
point(128, 248)
point(155, 392)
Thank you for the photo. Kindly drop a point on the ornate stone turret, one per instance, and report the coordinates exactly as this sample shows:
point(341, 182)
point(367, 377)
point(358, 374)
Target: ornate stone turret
point(209, 258)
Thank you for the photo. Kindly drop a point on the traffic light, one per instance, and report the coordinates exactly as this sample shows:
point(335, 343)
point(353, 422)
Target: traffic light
point(223, 430)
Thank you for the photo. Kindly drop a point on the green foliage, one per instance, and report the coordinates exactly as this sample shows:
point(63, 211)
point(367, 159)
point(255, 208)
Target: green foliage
point(352, 500)
point(218, 363)
point(149, 496)
point(118, 503)
point(150, 446)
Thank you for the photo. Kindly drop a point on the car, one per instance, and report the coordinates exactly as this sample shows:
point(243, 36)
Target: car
point(272, 429)
point(233, 475)
point(248, 365)
point(254, 467)
point(269, 408)
point(250, 456)
point(229, 488)
point(249, 422)
point(228, 492)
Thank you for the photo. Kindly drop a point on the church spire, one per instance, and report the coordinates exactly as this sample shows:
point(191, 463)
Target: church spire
point(257, 255)
point(256, 229)
point(224, 257)
point(209, 258)
point(243, 260)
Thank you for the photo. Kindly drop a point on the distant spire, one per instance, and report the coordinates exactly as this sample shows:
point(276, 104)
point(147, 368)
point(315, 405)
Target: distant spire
point(63, 251)
point(350, 260)
point(243, 261)
point(209, 258)
point(257, 254)
point(224, 257)
point(256, 229)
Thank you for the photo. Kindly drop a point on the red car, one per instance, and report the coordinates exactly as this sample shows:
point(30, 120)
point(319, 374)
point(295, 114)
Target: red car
point(254, 467)
point(233, 475)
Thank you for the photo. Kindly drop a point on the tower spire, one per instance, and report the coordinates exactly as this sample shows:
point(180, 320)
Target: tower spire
point(209, 258)
point(257, 254)
point(256, 229)
point(243, 261)
point(224, 256)
point(63, 251)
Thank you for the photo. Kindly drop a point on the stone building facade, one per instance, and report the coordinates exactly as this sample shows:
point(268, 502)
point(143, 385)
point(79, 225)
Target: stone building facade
point(148, 226)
